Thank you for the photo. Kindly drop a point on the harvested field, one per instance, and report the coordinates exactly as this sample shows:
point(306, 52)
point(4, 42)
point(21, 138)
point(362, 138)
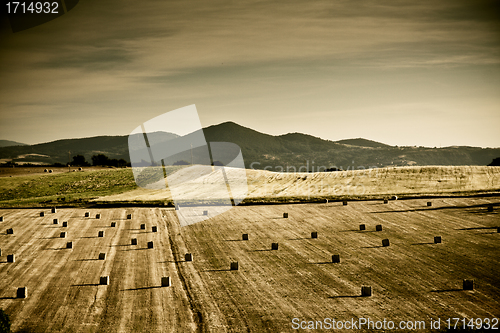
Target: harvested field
point(412, 279)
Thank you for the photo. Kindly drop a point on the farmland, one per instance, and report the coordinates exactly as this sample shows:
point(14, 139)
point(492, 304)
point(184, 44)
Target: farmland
point(412, 279)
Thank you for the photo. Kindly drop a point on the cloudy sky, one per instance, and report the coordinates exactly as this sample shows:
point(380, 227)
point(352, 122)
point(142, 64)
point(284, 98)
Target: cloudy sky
point(400, 72)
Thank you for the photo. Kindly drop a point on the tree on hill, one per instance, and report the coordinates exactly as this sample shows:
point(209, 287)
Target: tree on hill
point(103, 160)
point(181, 162)
point(79, 160)
point(495, 162)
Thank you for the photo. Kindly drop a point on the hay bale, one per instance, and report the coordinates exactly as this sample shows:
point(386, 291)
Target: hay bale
point(69, 245)
point(245, 237)
point(394, 197)
point(177, 207)
point(468, 284)
point(366, 291)
point(378, 227)
point(143, 226)
point(10, 231)
point(134, 241)
point(104, 280)
point(429, 204)
point(386, 201)
point(150, 245)
point(285, 215)
point(1, 218)
point(205, 212)
point(314, 234)
point(22, 292)
point(11, 258)
point(362, 227)
point(80, 169)
point(336, 258)
point(46, 170)
point(97, 216)
point(63, 234)
point(165, 281)
point(129, 216)
point(65, 224)
point(102, 256)
point(188, 257)
point(234, 266)
point(55, 221)
point(154, 228)
point(53, 210)
point(490, 208)
point(0, 252)
point(100, 234)
point(50, 171)
point(87, 214)
point(437, 239)
point(113, 224)
point(42, 214)
point(498, 230)
point(274, 246)
point(385, 242)
point(344, 203)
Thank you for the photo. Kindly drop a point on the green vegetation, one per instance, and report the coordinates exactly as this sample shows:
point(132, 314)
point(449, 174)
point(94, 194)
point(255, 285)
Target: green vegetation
point(69, 188)
point(4, 322)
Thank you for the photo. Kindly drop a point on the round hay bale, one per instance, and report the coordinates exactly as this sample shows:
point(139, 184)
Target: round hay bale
point(11, 258)
point(50, 171)
point(55, 221)
point(245, 236)
point(314, 234)
point(150, 245)
point(143, 226)
point(129, 216)
point(344, 203)
point(234, 266)
point(154, 228)
point(468, 284)
point(80, 169)
point(285, 215)
point(113, 224)
point(362, 227)
point(274, 246)
point(46, 170)
point(102, 256)
point(437, 239)
point(386, 201)
point(1, 218)
point(366, 291)
point(394, 197)
point(104, 280)
point(378, 227)
point(165, 281)
point(336, 258)
point(429, 204)
point(69, 245)
point(188, 257)
point(97, 216)
point(134, 241)
point(87, 214)
point(65, 224)
point(22, 292)
point(10, 231)
point(42, 214)
point(53, 210)
point(63, 234)
point(100, 234)
point(385, 242)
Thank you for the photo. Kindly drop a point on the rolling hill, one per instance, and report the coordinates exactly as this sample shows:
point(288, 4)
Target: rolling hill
point(277, 153)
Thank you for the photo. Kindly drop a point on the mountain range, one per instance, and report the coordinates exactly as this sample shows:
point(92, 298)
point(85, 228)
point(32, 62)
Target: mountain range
point(259, 150)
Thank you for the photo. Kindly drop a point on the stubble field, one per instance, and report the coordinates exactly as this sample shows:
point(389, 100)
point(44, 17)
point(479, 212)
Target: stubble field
point(413, 279)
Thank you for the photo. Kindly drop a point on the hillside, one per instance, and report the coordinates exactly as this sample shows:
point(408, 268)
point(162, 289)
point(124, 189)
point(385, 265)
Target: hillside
point(277, 153)
point(8, 143)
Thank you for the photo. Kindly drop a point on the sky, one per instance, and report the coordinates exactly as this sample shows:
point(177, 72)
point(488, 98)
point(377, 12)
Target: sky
point(423, 73)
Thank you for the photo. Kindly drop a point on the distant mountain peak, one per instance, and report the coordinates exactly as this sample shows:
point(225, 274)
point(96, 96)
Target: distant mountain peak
point(360, 142)
point(8, 143)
